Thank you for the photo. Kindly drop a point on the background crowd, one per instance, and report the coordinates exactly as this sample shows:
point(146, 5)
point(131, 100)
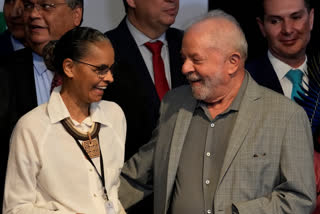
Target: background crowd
point(145, 59)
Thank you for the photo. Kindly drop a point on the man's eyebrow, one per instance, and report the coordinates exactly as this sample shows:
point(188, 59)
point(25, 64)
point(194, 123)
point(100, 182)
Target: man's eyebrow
point(297, 13)
point(301, 11)
point(274, 17)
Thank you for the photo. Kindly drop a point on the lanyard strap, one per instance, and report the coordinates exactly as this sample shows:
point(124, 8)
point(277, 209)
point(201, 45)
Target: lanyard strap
point(68, 125)
point(102, 178)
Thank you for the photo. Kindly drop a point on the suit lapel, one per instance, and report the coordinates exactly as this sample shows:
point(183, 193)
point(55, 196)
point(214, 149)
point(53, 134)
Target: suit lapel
point(21, 68)
point(247, 113)
point(270, 76)
point(263, 72)
point(5, 43)
point(180, 131)
point(145, 83)
point(26, 79)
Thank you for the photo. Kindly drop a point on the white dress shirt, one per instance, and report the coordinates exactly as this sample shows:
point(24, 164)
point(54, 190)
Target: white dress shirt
point(282, 69)
point(140, 40)
point(48, 173)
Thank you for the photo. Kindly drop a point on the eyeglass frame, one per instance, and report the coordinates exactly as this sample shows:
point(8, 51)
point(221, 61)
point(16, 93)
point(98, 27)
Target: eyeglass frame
point(47, 7)
point(99, 68)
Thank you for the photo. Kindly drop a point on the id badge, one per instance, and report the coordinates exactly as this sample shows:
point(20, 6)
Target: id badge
point(109, 207)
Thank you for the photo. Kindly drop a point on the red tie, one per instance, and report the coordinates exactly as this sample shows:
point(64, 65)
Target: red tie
point(57, 81)
point(160, 80)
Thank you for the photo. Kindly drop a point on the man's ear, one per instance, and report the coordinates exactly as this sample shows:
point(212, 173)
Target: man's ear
point(311, 18)
point(68, 66)
point(234, 62)
point(261, 26)
point(131, 3)
point(77, 16)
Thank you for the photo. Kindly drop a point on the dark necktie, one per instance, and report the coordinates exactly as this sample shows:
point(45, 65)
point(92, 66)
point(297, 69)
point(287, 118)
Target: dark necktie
point(295, 76)
point(160, 80)
point(56, 81)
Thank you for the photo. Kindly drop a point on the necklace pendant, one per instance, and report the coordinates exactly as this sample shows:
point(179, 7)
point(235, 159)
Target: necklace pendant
point(92, 147)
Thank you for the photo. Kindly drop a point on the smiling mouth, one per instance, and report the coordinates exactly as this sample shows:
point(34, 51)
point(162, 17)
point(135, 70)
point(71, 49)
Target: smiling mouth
point(194, 81)
point(193, 78)
point(171, 11)
point(33, 27)
point(288, 42)
point(101, 87)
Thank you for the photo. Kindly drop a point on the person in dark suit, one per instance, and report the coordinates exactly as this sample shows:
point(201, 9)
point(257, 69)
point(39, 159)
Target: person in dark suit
point(27, 79)
point(13, 38)
point(287, 27)
point(134, 86)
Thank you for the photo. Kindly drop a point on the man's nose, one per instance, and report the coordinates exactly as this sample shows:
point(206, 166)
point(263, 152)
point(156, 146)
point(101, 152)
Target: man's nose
point(187, 67)
point(287, 27)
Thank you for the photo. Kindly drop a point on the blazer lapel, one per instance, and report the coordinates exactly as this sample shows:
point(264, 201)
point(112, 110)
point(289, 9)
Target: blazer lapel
point(25, 80)
point(247, 113)
point(5, 43)
point(141, 75)
point(263, 72)
point(180, 131)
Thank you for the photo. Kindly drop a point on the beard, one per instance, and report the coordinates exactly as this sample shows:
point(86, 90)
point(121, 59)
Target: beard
point(202, 88)
point(207, 88)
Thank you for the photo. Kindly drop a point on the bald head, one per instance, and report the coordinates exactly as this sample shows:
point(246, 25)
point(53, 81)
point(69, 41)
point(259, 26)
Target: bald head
point(214, 50)
point(221, 31)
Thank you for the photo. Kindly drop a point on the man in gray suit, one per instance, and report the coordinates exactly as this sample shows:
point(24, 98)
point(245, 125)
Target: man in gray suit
point(224, 144)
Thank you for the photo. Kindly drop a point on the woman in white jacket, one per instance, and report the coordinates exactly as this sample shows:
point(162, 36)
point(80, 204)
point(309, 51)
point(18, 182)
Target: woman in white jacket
point(66, 155)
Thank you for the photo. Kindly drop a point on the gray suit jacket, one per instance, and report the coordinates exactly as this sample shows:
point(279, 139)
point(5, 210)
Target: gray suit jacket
point(268, 166)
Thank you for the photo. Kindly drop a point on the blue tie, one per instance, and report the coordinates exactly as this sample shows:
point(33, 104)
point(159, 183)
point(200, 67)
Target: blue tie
point(295, 76)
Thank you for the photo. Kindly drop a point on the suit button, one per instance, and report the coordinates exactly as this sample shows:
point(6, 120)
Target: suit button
point(212, 125)
point(209, 211)
point(207, 182)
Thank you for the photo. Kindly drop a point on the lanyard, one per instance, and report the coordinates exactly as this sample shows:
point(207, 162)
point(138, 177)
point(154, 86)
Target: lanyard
point(102, 179)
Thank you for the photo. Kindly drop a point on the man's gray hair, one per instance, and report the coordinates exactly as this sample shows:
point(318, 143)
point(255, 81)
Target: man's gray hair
point(241, 44)
point(75, 3)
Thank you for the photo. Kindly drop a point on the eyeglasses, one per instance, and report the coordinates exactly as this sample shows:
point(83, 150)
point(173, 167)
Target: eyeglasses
point(101, 70)
point(46, 7)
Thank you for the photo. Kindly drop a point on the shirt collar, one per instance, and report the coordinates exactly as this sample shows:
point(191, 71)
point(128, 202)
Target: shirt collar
point(141, 38)
point(88, 122)
point(237, 101)
point(58, 111)
point(235, 105)
point(282, 68)
point(39, 64)
point(16, 44)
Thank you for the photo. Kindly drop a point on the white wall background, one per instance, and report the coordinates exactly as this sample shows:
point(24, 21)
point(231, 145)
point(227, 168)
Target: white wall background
point(107, 14)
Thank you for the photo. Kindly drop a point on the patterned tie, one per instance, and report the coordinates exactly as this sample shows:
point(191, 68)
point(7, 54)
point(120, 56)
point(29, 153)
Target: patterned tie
point(56, 81)
point(160, 80)
point(295, 76)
